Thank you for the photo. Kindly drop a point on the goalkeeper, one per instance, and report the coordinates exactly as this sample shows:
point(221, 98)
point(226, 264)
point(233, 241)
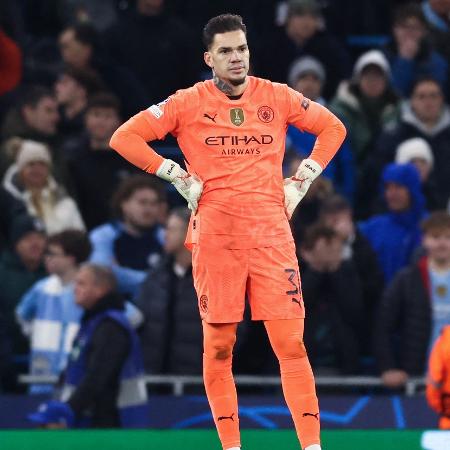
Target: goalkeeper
point(232, 131)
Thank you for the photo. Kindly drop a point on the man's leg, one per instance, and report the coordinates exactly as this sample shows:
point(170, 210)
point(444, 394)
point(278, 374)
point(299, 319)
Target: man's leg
point(297, 379)
point(218, 343)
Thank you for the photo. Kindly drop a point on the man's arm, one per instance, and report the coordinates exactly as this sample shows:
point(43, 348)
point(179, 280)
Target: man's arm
point(316, 119)
point(110, 347)
point(130, 141)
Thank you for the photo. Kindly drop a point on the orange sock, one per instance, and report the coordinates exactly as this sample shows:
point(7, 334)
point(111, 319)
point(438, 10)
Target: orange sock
point(218, 343)
point(297, 379)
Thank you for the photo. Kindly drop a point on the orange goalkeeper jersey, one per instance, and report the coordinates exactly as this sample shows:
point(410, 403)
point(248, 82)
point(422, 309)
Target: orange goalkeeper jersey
point(236, 147)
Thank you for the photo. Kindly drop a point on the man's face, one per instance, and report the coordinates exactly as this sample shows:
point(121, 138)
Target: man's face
point(142, 209)
point(102, 122)
point(31, 247)
point(427, 101)
point(302, 27)
point(56, 261)
point(373, 82)
point(341, 222)
point(175, 234)
point(74, 53)
point(437, 245)
point(423, 167)
point(309, 85)
point(409, 29)
point(42, 117)
point(229, 57)
point(87, 290)
point(397, 197)
point(67, 90)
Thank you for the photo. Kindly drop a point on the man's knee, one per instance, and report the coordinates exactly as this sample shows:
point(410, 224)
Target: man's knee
point(292, 347)
point(220, 346)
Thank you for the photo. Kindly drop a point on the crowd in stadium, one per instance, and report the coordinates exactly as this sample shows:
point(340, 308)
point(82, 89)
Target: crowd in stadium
point(372, 235)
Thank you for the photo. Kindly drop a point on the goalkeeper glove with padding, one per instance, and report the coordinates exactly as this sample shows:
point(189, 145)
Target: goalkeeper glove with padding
point(296, 187)
point(188, 185)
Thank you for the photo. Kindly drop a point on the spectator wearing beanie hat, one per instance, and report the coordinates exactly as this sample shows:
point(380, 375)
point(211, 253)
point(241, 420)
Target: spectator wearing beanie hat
point(30, 180)
point(307, 75)
point(20, 267)
point(417, 151)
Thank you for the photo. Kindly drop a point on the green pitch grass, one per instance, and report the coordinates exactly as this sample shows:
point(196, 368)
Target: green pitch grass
point(201, 440)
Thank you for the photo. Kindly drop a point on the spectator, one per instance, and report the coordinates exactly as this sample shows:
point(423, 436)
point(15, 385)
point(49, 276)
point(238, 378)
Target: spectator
point(333, 298)
point(93, 166)
point(437, 14)
point(36, 116)
point(424, 115)
point(20, 267)
point(11, 209)
point(30, 180)
point(438, 380)
point(150, 29)
point(169, 302)
point(413, 310)
point(73, 88)
point(395, 234)
point(337, 214)
point(80, 48)
point(418, 152)
point(411, 53)
point(307, 76)
point(301, 35)
point(366, 102)
point(132, 243)
point(47, 312)
point(104, 386)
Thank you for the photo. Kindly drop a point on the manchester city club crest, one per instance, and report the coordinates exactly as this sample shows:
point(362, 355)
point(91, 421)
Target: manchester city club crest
point(237, 116)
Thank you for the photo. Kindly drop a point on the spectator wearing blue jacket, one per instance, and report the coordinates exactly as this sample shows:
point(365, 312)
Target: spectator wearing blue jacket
point(132, 243)
point(48, 313)
point(395, 234)
point(411, 53)
point(307, 75)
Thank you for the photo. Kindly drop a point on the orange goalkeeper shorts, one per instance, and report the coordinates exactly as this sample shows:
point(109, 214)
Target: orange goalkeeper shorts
point(269, 276)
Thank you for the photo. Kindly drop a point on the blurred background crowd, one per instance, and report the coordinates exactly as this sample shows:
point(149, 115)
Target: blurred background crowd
point(372, 235)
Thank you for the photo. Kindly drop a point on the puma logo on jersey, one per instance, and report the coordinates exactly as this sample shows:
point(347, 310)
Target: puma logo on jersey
point(294, 300)
point(226, 417)
point(316, 415)
point(213, 118)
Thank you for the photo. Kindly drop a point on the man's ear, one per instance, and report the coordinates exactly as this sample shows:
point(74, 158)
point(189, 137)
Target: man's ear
point(208, 59)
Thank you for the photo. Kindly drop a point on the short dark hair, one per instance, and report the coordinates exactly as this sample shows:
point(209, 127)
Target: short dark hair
point(34, 94)
point(425, 79)
point(104, 99)
point(222, 24)
point(404, 12)
point(74, 243)
point(132, 184)
point(333, 204)
point(437, 221)
point(85, 33)
point(87, 78)
point(316, 232)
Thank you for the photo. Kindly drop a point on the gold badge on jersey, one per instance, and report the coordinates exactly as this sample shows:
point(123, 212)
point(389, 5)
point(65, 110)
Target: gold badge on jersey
point(237, 116)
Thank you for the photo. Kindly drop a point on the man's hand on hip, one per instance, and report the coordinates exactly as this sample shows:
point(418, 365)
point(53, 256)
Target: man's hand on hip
point(296, 187)
point(188, 185)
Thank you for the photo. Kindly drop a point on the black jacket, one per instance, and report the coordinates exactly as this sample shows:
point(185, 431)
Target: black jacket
point(403, 326)
point(172, 333)
point(334, 314)
point(108, 352)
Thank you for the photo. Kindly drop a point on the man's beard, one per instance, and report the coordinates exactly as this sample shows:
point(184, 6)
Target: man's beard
point(238, 82)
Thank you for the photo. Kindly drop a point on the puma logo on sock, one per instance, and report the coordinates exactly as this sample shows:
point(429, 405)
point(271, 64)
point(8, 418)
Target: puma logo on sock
point(225, 417)
point(311, 414)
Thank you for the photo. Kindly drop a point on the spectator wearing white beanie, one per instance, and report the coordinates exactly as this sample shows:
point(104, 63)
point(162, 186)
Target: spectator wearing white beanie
point(30, 180)
point(418, 152)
